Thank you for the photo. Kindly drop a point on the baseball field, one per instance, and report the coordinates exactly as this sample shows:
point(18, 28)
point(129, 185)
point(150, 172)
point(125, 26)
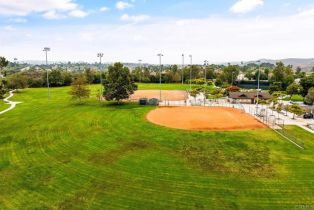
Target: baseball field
point(57, 154)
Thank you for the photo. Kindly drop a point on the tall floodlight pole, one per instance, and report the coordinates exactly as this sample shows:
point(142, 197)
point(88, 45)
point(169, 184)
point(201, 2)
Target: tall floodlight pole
point(205, 75)
point(100, 56)
point(160, 70)
point(140, 66)
point(258, 85)
point(205, 70)
point(182, 71)
point(15, 62)
point(46, 50)
point(191, 63)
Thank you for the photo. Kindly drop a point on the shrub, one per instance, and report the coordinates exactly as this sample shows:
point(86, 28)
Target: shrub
point(297, 98)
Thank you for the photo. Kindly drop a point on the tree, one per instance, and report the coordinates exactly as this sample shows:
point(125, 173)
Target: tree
point(279, 109)
point(294, 88)
point(55, 78)
point(89, 75)
point(309, 98)
point(79, 89)
point(307, 83)
point(283, 74)
point(249, 74)
point(276, 86)
point(230, 74)
point(3, 63)
point(17, 81)
point(118, 83)
point(296, 110)
point(2, 90)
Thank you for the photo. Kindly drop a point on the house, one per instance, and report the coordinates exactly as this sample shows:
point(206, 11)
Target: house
point(249, 97)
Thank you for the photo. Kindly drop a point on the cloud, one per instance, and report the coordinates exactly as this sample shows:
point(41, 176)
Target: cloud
point(53, 15)
point(104, 9)
point(9, 28)
point(307, 13)
point(234, 39)
point(121, 5)
point(24, 8)
point(134, 18)
point(245, 6)
point(18, 20)
point(78, 13)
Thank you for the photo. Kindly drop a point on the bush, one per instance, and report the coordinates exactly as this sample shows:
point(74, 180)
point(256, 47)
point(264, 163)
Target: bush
point(297, 98)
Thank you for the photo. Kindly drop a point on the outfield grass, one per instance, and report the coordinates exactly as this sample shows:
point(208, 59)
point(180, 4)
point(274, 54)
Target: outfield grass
point(60, 155)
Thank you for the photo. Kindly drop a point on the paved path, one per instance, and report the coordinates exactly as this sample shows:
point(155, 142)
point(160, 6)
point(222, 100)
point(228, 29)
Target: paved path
point(12, 103)
point(287, 117)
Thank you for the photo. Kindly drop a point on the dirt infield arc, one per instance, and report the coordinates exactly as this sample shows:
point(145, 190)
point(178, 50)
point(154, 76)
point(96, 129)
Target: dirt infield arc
point(168, 95)
point(203, 118)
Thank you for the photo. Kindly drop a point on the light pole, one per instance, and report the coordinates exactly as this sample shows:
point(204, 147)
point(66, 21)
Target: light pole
point(160, 55)
point(258, 86)
point(182, 71)
point(205, 74)
point(15, 62)
point(205, 70)
point(191, 63)
point(140, 66)
point(46, 50)
point(100, 56)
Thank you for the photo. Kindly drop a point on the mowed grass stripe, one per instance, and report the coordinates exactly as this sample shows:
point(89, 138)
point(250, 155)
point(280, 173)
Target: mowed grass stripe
point(96, 156)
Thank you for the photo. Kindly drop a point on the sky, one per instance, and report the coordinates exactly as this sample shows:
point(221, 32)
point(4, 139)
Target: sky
point(129, 30)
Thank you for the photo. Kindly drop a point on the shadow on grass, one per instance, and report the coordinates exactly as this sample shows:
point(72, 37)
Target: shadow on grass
point(113, 155)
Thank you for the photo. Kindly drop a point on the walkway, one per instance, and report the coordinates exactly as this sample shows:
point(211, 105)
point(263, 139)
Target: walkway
point(12, 103)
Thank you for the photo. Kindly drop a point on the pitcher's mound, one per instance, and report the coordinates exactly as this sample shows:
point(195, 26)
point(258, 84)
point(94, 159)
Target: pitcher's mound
point(204, 118)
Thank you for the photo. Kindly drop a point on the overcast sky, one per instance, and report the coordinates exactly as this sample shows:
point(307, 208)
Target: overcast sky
point(216, 30)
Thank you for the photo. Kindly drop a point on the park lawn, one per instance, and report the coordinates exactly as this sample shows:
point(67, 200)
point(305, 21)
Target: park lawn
point(60, 155)
point(3, 105)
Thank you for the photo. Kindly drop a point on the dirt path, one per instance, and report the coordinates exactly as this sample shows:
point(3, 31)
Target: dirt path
point(12, 103)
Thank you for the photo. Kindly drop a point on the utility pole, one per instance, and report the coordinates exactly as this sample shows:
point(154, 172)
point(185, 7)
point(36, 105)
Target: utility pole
point(46, 50)
point(160, 70)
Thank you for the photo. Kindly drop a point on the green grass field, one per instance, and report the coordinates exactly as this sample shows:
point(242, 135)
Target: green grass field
point(3, 105)
point(59, 155)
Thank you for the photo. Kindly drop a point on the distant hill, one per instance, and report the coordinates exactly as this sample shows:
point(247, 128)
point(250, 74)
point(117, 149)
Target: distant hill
point(306, 64)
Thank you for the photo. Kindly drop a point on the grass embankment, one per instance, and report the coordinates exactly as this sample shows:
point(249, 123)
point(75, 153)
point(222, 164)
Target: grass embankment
point(59, 155)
